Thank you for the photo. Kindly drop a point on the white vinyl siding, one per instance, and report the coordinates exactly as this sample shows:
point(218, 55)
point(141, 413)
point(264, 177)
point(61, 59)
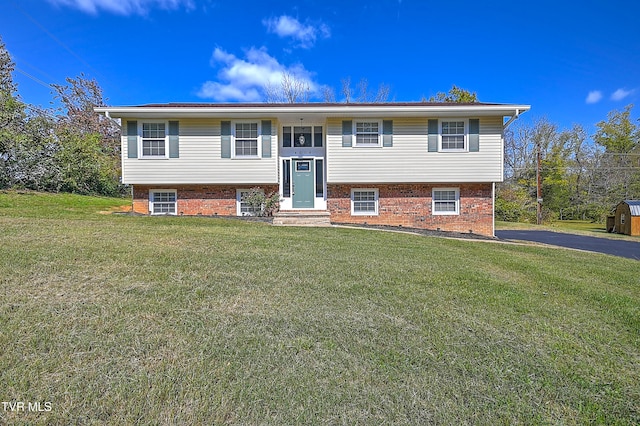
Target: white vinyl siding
point(409, 160)
point(200, 160)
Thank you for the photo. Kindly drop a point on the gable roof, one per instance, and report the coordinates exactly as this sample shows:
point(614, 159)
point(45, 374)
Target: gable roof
point(634, 206)
point(308, 110)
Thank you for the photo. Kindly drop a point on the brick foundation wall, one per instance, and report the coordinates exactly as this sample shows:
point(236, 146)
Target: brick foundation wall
point(409, 205)
point(206, 200)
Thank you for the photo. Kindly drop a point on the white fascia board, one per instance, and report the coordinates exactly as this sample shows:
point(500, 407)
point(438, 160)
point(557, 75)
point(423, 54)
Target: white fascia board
point(304, 111)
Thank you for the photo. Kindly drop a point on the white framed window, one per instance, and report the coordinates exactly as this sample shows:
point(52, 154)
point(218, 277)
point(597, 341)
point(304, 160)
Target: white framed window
point(242, 208)
point(246, 136)
point(364, 201)
point(154, 139)
point(163, 201)
point(453, 134)
point(367, 133)
point(445, 201)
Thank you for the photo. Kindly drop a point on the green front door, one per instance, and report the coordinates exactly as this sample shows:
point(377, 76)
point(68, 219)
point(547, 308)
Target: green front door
point(303, 184)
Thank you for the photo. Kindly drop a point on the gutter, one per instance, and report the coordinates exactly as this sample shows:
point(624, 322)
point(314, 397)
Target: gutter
point(327, 110)
point(511, 120)
point(113, 120)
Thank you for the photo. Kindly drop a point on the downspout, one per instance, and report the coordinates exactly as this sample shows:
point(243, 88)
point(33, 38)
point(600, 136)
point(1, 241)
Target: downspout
point(493, 189)
point(511, 120)
point(106, 114)
point(493, 206)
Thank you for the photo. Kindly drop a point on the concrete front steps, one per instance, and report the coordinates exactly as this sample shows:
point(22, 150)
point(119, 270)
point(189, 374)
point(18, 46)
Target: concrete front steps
point(302, 218)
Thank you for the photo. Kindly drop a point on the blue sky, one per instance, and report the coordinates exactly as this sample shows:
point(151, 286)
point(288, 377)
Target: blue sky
point(573, 62)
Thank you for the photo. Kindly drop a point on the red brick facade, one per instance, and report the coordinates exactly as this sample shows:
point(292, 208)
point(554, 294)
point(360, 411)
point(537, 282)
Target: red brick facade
point(206, 200)
point(408, 205)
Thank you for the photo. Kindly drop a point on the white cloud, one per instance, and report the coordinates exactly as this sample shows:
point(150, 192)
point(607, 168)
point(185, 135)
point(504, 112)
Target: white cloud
point(245, 79)
point(124, 7)
point(620, 94)
point(594, 97)
point(305, 35)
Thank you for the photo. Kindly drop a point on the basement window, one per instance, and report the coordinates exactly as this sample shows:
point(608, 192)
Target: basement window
point(364, 202)
point(243, 208)
point(162, 201)
point(445, 201)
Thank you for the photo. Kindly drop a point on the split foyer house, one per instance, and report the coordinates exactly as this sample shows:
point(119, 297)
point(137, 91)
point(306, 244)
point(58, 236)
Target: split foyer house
point(421, 165)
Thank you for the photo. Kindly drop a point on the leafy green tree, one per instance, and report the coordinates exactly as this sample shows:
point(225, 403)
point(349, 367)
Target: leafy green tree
point(455, 95)
point(6, 70)
point(84, 167)
point(618, 134)
point(619, 164)
point(89, 154)
point(517, 195)
point(75, 151)
point(12, 117)
point(555, 180)
point(514, 204)
point(30, 159)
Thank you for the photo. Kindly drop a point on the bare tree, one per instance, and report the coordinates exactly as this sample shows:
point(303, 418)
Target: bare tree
point(362, 87)
point(347, 91)
point(518, 151)
point(382, 95)
point(328, 94)
point(78, 98)
point(292, 89)
point(364, 94)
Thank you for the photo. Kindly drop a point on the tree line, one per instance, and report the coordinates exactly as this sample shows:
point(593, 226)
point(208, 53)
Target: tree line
point(582, 176)
point(68, 149)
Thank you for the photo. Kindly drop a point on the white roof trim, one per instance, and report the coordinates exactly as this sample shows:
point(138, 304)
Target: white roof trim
point(307, 110)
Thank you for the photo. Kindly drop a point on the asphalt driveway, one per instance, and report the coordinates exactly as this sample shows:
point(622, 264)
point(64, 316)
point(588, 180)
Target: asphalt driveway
point(621, 248)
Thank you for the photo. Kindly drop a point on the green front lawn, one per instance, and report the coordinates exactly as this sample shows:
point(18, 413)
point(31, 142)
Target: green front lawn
point(117, 319)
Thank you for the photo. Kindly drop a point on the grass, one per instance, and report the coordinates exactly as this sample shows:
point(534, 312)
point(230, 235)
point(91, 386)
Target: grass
point(158, 320)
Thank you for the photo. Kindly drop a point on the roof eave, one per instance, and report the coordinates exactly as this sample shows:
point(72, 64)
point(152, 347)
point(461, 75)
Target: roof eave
point(294, 110)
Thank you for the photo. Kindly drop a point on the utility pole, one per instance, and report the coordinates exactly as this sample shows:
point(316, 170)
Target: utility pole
point(539, 187)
